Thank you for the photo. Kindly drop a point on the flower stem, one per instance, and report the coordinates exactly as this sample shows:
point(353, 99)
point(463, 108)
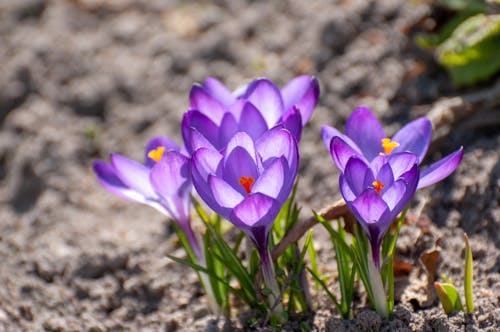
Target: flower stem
point(270, 279)
point(379, 296)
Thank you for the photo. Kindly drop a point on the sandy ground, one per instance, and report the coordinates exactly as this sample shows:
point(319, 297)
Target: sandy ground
point(80, 79)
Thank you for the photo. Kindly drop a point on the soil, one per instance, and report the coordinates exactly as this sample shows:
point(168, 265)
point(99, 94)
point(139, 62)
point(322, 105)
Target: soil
point(80, 79)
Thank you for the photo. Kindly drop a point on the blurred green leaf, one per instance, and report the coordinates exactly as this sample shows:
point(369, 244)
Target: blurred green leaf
point(464, 5)
point(469, 304)
point(449, 297)
point(472, 52)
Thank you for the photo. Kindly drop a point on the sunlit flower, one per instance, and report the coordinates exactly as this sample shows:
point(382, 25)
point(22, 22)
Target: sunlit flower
point(217, 114)
point(248, 183)
point(377, 192)
point(366, 139)
point(163, 181)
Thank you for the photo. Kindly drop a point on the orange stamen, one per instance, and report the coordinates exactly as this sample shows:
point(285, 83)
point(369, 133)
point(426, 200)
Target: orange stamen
point(157, 153)
point(247, 182)
point(388, 145)
point(378, 186)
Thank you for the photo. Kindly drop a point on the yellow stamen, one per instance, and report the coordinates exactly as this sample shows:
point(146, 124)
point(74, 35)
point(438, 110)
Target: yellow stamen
point(157, 153)
point(388, 145)
point(378, 186)
point(247, 182)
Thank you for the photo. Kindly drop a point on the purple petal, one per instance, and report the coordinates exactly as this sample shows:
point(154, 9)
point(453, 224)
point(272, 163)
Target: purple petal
point(219, 91)
point(244, 141)
point(270, 182)
point(371, 208)
point(278, 142)
point(236, 108)
point(200, 122)
point(303, 92)
point(133, 174)
point(200, 100)
point(341, 152)
point(109, 181)
point(346, 190)
point(401, 162)
point(355, 175)
point(251, 121)
point(255, 210)
point(366, 131)
point(228, 128)
point(440, 169)
point(223, 193)
point(266, 97)
point(239, 164)
point(393, 195)
point(205, 162)
point(292, 120)
point(411, 180)
point(196, 141)
point(414, 137)
point(385, 176)
point(156, 142)
point(170, 174)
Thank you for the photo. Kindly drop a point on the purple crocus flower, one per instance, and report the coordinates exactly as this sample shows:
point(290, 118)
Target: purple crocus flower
point(366, 139)
point(248, 183)
point(163, 182)
point(377, 192)
point(216, 114)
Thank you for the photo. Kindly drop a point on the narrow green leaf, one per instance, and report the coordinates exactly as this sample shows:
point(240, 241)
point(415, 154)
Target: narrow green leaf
point(325, 287)
point(469, 303)
point(449, 297)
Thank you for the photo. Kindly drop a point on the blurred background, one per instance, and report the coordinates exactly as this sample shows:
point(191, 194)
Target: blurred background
point(80, 79)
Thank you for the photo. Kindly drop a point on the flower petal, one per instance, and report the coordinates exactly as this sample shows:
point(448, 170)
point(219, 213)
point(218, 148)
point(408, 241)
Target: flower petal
point(346, 190)
point(341, 152)
point(255, 210)
point(414, 137)
point(170, 174)
point(206, 161)
point(242, 140)
point(292, 120)
point(303, 92)
point(199, 121)
point(109, 181)
point(440, 169)
point(366, 131)
point(219, 91)
point(239, 164)
point(228, 128)
point(370, 208)
point(251, 121)
point(223, 193)
point(355, 174)
point(266, 97)
point(133, 174)
point(278, 142)
point(411, 180)
point(271, 181)
point(205, 103)
point(401, 162)
point(154, 143)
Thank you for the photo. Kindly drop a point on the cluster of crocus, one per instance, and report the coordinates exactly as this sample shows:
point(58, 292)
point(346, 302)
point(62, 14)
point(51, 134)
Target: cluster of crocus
point(241, 152)
point(241, 156)
point(380, 175)
point(244, 152)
